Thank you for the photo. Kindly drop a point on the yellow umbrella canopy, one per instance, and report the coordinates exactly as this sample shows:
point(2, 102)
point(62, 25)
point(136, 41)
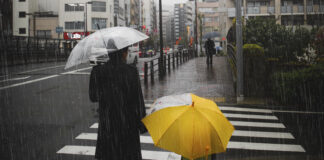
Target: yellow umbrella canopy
point(188, 125)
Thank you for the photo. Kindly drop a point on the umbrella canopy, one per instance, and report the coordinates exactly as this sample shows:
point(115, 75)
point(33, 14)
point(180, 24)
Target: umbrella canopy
point(211, 35)
point(188, 125)
point(112, 39)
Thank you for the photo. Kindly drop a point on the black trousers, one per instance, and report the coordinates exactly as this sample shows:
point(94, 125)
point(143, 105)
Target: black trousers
point(209, 59)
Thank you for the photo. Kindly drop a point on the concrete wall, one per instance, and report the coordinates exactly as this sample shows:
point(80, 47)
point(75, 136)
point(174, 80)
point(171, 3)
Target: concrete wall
point(45, 23)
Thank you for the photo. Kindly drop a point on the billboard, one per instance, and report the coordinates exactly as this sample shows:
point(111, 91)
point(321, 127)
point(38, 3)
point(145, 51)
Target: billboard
point(74, 35)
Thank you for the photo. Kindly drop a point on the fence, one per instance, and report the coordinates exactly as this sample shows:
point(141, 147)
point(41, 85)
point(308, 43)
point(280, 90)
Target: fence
point(25, 50)
point(170, 61)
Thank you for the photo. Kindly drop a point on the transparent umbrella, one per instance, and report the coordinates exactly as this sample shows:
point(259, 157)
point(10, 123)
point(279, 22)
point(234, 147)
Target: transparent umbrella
point(112, 39)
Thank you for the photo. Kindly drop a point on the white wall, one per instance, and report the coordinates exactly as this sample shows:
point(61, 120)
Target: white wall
point(79, 16)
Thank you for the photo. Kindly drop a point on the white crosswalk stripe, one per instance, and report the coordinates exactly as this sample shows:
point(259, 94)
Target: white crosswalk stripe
point(244, 113)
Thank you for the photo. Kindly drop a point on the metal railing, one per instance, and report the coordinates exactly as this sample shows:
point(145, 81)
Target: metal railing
point(170, 61)
point(231, 55)
point(25, 50)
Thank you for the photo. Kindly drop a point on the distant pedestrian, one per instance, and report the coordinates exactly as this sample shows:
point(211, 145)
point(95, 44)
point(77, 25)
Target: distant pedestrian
point(210, 49)
point(117, 88)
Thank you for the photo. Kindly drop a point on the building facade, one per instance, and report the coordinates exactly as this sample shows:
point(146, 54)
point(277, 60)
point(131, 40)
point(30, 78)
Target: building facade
point(35, 18)
point(79, 18)
point(183, 21)
point(208, 16)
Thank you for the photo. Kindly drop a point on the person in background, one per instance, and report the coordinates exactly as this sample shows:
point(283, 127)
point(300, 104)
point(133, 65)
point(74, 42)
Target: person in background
point(210, 49)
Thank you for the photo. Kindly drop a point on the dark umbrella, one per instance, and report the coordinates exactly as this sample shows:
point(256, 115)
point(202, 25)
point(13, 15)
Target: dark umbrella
point(211, 35)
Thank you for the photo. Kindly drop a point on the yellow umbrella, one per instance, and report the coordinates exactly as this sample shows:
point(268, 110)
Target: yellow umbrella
point(188, 125)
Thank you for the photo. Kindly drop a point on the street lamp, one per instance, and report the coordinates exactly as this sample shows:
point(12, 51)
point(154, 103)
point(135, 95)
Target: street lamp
point(86, 18)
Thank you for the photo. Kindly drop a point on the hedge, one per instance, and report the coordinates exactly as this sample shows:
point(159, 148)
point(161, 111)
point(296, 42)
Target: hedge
point(303, 88)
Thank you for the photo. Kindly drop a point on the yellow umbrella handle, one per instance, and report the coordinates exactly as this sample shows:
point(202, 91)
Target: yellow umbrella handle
point(206, 152)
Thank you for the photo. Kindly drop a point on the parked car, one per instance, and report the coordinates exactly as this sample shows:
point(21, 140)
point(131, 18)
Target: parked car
point(102, 57)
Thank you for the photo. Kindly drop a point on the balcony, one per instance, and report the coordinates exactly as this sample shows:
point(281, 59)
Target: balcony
point(315, 8)
point(286, 9)
point(263, 10)
point(253, 10)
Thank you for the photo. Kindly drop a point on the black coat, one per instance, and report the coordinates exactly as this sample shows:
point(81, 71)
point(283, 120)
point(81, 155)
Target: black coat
point(121, 107)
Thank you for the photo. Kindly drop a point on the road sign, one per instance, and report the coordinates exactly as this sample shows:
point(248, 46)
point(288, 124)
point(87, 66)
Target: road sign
point(59, 29)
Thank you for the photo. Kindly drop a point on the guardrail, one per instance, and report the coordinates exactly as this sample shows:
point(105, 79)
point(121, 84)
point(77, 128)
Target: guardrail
point(24, 50)
point(231, 55)
point(171, 60)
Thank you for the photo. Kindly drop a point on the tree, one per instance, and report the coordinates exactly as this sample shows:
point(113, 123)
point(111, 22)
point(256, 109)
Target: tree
point(277, 40)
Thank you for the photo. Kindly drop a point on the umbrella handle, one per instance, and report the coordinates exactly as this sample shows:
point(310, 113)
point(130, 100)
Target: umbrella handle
point(206, 152)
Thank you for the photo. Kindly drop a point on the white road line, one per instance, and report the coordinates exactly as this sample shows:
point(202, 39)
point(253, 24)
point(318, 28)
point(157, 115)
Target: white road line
point(79, 73)
point(15, 79)
point(236, 133)
point(249, 116)
point(93, 137)
point(300, 112)
point(77, 70)
point(79, 150)
point(279, 135)
point(245, 109)
point(28, 82)
point(265, 146)
point(40, 69)
point(90, 151)
point(241, 123)
point(257, 124)
point(95, 125)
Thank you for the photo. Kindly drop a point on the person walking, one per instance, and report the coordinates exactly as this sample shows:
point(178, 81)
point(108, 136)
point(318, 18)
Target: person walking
point(210, 49)
point(117, 88)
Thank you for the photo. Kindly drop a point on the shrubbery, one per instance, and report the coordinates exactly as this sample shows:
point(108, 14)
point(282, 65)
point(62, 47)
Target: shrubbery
point(303, 88)
point(254, 70)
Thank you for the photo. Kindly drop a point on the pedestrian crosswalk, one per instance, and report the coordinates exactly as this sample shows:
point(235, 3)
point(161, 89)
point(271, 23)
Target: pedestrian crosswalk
point(257, 129)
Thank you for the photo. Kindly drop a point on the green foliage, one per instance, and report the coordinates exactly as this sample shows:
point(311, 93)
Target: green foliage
point(277, 40)
point(254, 70)
point(303, 88)
point(319, 42)
point(253, 50)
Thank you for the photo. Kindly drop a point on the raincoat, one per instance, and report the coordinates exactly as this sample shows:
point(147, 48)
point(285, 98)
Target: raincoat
point(116, 86)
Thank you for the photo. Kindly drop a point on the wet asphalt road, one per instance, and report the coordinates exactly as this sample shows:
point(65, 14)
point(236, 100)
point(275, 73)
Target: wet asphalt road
point(44, 108)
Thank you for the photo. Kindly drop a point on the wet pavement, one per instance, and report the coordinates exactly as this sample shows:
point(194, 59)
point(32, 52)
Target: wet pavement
point(194, 76)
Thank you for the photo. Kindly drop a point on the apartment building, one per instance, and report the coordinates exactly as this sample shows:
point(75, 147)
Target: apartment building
point(183, 20)
point(286, 12)
point(134, 13)
point(209, 13)
point(35, 18)
point(147, 17)
point(82, 17)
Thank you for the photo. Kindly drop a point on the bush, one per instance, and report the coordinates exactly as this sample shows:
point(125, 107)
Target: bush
point(254, 70)
point(303, 88)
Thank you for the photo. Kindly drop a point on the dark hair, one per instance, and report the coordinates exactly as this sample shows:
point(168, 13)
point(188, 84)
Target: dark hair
point(117, 56)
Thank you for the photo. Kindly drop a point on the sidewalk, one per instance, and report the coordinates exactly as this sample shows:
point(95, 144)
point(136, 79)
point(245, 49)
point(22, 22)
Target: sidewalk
point(215, 82)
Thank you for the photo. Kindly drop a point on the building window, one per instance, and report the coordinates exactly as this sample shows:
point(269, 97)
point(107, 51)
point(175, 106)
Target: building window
point(22, 30)
point(74, 25)
point(74, 7)
point(22, 14)
point(102, 22)
point(98, 6)
point(44, 33)
point(208, 10)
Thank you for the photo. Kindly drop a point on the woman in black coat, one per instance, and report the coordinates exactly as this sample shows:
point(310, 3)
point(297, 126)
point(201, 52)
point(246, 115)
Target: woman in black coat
point(116, 86)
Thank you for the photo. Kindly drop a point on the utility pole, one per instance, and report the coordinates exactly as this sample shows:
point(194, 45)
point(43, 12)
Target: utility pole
point(86, 18)
point(161, 70)
point(196, 27)
point(239, 52)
